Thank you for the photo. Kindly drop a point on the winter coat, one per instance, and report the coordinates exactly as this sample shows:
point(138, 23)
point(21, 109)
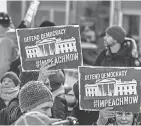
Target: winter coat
point(2, 104)
point(28, 76)
point(122, 58)
point(11, 113)
point(84, 117)
point(14, 66)
point(60, 107)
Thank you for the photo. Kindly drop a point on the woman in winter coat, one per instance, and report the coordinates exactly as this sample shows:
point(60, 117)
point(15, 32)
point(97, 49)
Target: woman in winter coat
point(109, 117)
point(9, 103)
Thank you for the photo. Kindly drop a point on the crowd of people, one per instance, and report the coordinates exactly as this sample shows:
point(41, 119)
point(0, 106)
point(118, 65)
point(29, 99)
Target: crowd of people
point(38, 98)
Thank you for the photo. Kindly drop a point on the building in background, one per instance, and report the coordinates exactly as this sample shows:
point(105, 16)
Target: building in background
point(100, 13)
point(62, 12)
point(128, 15)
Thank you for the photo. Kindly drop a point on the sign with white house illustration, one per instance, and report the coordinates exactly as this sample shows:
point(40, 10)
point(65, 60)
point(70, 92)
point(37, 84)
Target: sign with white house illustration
point(58, 45)
point(110, 86)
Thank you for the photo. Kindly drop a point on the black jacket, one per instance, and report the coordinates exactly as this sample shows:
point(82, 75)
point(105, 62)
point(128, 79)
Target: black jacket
point(84, 117)
point(2, 104)
point(11, 113)
point(60, 108)
point(122, 58)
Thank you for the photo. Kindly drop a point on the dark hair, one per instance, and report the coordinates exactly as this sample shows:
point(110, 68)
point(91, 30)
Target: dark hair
point(4, 20)
point(46, 24)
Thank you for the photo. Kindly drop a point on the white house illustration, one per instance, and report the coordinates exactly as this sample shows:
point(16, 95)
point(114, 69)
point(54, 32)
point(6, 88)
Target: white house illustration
point(67, 45)
point(51, 46)
point(32, 51)
point(111, 87)
point(46, 47)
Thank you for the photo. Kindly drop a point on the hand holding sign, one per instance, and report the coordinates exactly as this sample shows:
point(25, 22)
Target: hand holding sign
point(105, 114)
point(45, 72)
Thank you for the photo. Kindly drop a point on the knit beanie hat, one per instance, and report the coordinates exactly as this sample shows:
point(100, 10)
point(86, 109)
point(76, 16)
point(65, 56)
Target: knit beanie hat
point(56, 80)
point(33, 118)
point(12, 76)
point(33, 94)
point(117, 32)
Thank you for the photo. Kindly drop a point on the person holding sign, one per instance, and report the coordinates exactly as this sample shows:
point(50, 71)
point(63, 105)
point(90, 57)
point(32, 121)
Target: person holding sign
point(109, 117)
point(28, 76)
point(120, 51)
point(54, 80)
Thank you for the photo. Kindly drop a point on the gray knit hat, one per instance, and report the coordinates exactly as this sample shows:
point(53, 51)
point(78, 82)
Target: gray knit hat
point(12, 76)
point(118, 33)
point(33, 94)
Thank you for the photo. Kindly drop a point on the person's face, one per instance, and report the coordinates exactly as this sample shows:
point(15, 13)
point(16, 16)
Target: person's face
point(108, 40)
point(124, 118)
point(8, 83)
point(44, 108)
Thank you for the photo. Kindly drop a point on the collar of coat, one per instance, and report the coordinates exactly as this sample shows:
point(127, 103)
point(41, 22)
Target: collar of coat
point(123, 52)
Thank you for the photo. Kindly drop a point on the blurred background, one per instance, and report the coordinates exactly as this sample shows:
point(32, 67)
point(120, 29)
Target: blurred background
point(92, 16)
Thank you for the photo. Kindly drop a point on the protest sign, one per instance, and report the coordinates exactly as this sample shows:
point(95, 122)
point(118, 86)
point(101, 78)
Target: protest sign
point(58, 45)
point(115, 87)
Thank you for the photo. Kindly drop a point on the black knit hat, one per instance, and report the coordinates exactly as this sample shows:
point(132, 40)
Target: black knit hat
point(12, 76)
point(118, 33)
point(46, 24)
point(33, 94)
point(4, 19)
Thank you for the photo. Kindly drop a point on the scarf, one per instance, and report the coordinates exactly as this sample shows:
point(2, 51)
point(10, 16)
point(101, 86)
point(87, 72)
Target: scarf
point(7, 94)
